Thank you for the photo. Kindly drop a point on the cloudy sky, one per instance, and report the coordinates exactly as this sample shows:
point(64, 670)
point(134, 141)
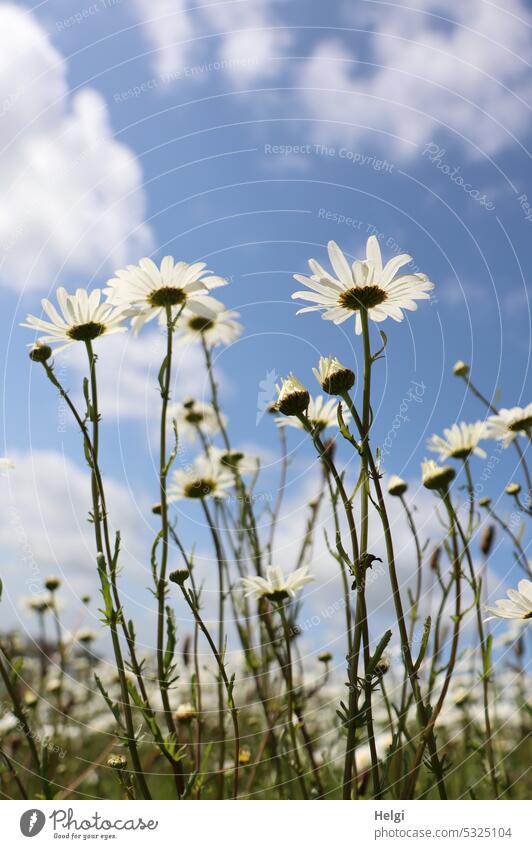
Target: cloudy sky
point(247, 134)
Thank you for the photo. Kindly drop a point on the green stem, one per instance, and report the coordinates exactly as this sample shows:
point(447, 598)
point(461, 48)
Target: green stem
point(191, 600)
point(220, 559)
point(94, 417)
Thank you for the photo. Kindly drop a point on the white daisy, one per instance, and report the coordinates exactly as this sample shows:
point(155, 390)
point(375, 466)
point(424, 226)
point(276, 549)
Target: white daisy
point(321, 414)
point(220, 329)
point(518, 605)
point(436, 477)
point(364, 284)
point(204, 478)
point(83, 319)
point(333, 377)
point(6, 464)
point(275, 586)
point(147, 290)
point(235, 460)
point(189, 415)
point(459, 441)
point(508, 423)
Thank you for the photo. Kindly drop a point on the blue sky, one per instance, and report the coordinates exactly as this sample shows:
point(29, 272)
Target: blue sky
point(248, 134)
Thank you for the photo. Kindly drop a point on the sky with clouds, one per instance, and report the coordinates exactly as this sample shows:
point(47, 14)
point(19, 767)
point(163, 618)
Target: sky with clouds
point(247, 134)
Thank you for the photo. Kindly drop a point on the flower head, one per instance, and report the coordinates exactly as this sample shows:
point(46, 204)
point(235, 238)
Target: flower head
point(185, 712)
point(459, 441)
point(83, 319)
point(436, 477)
point(235, 461)
point(275, 586)
point(221, 328)
point(365, 284)
point(513, 488)
point(205, 478)
point(508, 423)
point(333, 377)
point(320, 413)
point(292, 397)
point(460, 369)
point(147, 290)
point(190, 415)
point(6, 464)
point(396, 485)
point(518, 605)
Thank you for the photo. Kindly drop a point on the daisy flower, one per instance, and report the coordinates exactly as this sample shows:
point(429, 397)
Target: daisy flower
point(518, 605)
point(365, 284)
point(275, 586)
point(320, 413)
point(147, 290)
point(333, 377)
point(219, 329)
point(189, 415)
point(204, 478)
point(292, 396)
point(459, 441)
point(436, 477)
point(508, 423)
point(6, 464)
point(83, 319)
point(233, 460)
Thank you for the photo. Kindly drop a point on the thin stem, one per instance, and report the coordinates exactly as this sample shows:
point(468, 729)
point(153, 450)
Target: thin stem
point(456, 568)
point(220, 559)
point(290, 696)
point(422, 713)
point(191, 600)
point(164, 463)
point(94, 417)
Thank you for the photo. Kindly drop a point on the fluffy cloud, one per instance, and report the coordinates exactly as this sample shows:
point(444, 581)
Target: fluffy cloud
point(239, 37)
point(426, 75)
point(72, 197)
point(128, 368)
point(44, 529)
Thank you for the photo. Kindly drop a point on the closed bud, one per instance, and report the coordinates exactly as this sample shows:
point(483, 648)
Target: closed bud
point(486, 540)
point(118, 762)
point(460, 369)
point(513, 489)
point(179, 576)
point(51, 583)
point(434, 561)
point(39, 353)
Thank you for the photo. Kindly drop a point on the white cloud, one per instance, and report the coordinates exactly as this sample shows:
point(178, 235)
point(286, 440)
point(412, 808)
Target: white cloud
point(237, 34)
point(72, 197)
point(44, 528)
point(427, 75)
point(128, 368)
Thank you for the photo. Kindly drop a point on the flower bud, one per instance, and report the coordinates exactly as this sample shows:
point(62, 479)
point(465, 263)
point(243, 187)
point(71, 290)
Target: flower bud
point(52, 583)
point(325, 657)
point(333, 377)
point(185, 712)
point(118, 762)
point(39, 353)
point(513, 488)
point(486, 540)
point(484, 502)
point(460, 369)
point(292, 396)
point(179, 576)
point(397, 486)
point(434, 561)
